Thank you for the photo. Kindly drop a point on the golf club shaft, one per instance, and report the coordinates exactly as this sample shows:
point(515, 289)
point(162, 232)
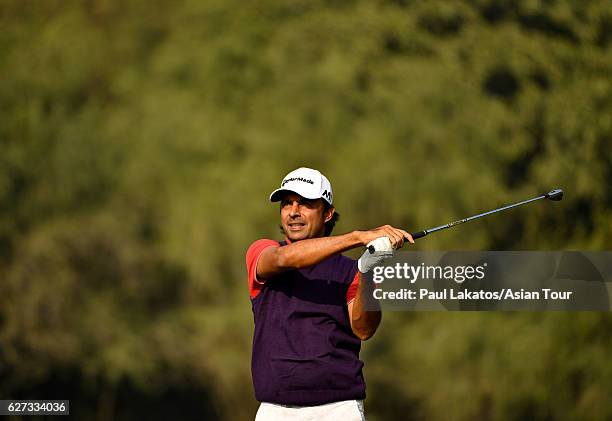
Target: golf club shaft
point(553, 195)
point(420, 234)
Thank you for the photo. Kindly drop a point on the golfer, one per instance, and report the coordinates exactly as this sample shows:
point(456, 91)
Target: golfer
point(308, 308)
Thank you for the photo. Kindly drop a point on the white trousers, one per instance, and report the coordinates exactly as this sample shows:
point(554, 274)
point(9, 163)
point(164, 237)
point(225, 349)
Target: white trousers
point(335, 411)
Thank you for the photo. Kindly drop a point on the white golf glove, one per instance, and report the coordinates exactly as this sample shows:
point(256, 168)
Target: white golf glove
point(382, 251)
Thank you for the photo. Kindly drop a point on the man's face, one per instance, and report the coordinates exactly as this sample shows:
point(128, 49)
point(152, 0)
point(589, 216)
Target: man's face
point(303, 218)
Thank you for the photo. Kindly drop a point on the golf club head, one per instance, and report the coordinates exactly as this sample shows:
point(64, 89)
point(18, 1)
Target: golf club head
point(556, 195)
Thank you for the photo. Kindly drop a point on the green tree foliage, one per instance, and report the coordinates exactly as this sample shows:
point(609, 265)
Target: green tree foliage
point(139, 141)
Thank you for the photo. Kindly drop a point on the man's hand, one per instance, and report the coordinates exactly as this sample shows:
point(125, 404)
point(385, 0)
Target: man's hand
point(388, 239)
point(396, 236)
point(382, 250)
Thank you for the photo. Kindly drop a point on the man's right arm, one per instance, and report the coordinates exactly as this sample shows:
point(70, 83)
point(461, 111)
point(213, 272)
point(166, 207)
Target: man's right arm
point(304, 253)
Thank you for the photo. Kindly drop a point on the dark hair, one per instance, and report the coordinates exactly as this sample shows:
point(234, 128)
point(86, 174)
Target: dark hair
point(329, 225)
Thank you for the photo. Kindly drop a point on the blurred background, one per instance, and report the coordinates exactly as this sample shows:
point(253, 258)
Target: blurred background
point(139, 141)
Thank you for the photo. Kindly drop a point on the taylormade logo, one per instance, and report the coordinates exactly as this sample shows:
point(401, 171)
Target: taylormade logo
point(288, 180)
point(328, 195)
point(411, 273)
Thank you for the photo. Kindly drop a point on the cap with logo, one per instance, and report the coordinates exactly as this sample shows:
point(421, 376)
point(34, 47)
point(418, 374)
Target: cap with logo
point(306, 182)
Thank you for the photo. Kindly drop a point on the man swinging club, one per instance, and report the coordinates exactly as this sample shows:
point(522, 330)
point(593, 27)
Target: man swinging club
point(308, 308)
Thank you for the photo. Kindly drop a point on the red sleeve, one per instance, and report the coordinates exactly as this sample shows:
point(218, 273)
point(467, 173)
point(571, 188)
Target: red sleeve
point(252, 257)
point(352, 289)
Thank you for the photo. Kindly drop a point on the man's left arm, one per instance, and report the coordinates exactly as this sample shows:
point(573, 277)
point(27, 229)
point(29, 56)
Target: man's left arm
point(364, 323)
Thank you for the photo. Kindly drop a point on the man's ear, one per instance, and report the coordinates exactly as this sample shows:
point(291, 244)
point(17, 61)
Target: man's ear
point(329, 213)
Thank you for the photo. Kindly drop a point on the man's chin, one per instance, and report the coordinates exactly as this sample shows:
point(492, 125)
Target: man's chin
point(296, 236)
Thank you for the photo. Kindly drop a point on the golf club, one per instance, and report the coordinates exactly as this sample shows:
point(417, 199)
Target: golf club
point(556, 195)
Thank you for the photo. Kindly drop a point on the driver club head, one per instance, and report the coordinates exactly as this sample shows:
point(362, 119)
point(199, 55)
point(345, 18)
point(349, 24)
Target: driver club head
point(556, 195)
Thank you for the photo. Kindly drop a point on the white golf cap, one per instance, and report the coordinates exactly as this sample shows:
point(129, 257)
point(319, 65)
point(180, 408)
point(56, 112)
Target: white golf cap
point(306, 182)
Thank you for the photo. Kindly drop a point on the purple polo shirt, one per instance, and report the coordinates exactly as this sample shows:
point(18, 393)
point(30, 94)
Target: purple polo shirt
point(304, 351)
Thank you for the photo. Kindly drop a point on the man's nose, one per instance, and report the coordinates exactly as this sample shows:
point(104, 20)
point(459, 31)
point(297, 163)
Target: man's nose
point(295, 209)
